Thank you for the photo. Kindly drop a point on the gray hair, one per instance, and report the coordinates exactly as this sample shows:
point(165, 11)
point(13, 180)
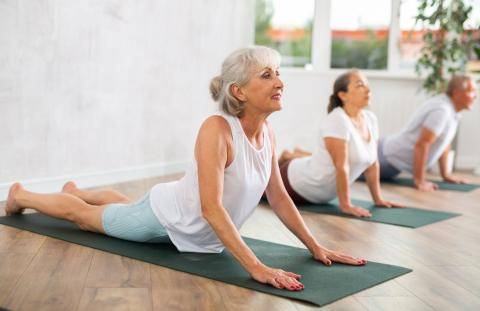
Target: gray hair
point(458, 82)
point(237, 69)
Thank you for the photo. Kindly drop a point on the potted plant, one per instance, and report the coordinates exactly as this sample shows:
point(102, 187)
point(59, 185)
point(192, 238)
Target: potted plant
point(446, 42)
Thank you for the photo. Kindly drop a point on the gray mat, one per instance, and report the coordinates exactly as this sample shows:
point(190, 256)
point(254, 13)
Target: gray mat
point(406, 217)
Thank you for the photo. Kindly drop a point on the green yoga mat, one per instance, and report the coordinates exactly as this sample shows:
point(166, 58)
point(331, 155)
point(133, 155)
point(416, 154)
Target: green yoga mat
point(407, 217)
point(408, 182)
point(323, 284)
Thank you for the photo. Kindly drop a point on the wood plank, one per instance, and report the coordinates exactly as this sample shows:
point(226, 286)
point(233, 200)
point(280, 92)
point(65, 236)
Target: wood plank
point(394, 304)
point(117, 299)
point(54, 280)
point(110, 270)
point(438, 291)
point(12, 266)
point(13, 240)
point(174, 290)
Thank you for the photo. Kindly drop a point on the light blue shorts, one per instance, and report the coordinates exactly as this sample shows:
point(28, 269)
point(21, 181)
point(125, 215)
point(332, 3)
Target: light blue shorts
point(134, 222)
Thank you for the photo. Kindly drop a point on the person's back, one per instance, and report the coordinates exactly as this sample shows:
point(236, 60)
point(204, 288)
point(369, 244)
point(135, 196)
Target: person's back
point(438, 115)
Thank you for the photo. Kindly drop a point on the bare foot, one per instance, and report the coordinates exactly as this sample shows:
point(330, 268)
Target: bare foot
point(299, 153)
point(69, 187)
point(11, 207)
point(285, 156)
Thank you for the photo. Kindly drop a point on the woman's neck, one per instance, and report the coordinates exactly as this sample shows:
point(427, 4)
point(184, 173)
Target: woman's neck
point(352, 111)
point(252, 125)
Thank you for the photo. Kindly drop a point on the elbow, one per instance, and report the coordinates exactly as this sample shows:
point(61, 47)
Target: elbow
point(341, 169)
point(208, 211)
point(421, 145)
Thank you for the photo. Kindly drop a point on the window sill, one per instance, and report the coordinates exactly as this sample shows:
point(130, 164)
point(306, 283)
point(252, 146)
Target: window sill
point(372, 74)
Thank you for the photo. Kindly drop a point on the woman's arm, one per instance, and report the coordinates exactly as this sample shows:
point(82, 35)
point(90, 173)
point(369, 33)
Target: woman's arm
point(372, 177)
point(285, 209)
point(338, 150)
point(214, 152)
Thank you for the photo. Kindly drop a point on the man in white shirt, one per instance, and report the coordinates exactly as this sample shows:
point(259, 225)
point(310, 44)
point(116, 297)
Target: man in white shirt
point(427, 137)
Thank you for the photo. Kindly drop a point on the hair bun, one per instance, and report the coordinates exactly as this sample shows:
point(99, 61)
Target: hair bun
point(215, 87)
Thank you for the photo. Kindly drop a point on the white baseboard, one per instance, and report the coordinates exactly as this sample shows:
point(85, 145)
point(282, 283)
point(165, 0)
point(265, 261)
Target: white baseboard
point(477, 171)
point(467, 162)
point(95, 179)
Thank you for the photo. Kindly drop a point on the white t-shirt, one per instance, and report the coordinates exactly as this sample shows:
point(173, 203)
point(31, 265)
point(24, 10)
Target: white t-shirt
point(314, 177)
point(439, 116)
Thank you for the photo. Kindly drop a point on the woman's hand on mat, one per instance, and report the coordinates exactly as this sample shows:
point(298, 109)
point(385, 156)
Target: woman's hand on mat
point(426, 185)
point(356, 211)
point(454, 180)
point(277, 278)
point(385, 203)
point(327, 256)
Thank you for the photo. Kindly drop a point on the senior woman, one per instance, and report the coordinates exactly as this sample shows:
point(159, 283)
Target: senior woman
point(235, 163)
point(347, 149)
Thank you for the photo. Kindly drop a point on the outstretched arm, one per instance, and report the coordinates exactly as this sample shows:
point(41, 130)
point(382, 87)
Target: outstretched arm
point(285, 209)
point(338, 150)
point(214, 152)
point(372, 176)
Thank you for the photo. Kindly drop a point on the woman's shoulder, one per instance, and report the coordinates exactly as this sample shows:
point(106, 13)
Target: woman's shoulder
point(337, 116)
point(338, 112)
point(215, 125)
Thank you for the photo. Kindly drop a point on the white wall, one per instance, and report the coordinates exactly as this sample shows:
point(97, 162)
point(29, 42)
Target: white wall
point(90, 89)
point(394, 98)
point(105, 91)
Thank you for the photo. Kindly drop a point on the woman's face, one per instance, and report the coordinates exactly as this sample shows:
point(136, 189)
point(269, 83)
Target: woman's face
point(263, 92)
point(358, 93)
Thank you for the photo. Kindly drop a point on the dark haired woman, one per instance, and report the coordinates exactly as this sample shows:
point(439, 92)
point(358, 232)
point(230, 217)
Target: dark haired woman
point(347, 148)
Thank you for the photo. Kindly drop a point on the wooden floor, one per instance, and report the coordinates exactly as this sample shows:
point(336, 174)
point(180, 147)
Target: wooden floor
point(40, 273)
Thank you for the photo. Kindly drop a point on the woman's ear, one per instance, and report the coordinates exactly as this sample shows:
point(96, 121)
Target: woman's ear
point(342, 95)
point(238, 93)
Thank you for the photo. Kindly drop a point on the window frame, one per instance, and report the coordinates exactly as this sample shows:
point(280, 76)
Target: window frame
point(322, 40)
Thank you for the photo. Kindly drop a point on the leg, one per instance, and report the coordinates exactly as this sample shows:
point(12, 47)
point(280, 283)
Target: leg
point(96, 197)
point(59, 205)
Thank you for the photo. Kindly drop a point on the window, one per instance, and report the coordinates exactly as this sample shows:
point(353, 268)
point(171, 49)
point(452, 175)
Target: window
point(410, 41)
point(286, 26)
point(373, 34)
point(359, 34)
point(473, 26)
point(411, 35)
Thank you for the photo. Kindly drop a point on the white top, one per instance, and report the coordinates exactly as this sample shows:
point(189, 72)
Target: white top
point(177, 204)
point(314, 177)
point(436, 114)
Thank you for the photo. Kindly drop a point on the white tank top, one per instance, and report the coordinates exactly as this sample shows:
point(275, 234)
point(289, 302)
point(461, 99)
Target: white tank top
point(177, 204)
